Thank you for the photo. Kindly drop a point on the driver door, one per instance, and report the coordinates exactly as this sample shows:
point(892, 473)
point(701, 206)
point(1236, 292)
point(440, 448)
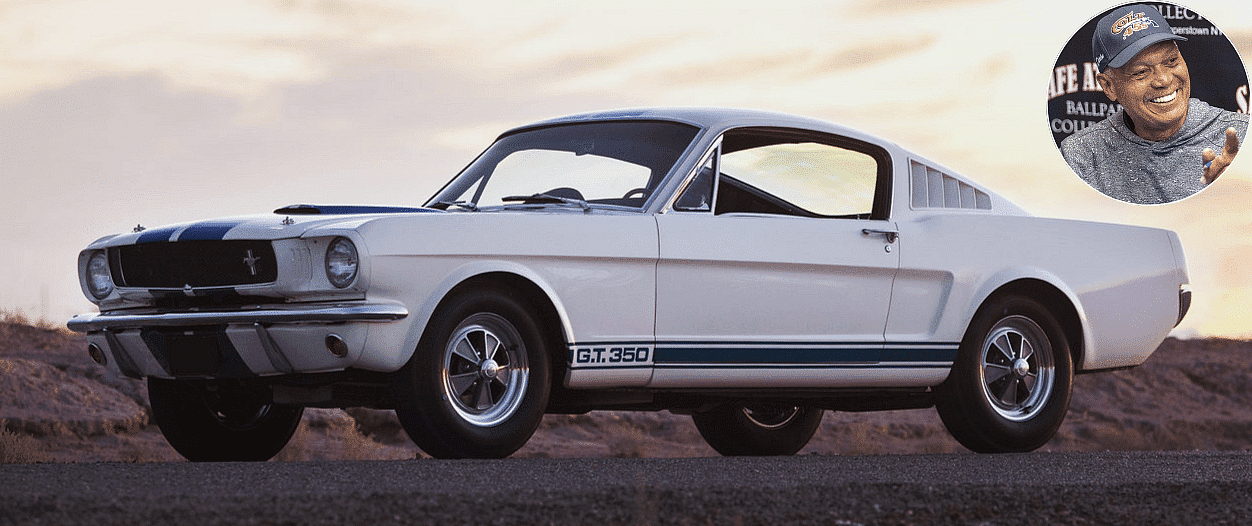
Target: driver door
point(776, 265)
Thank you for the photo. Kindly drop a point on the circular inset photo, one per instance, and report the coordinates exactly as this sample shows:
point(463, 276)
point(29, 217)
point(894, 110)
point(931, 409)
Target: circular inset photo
point(1148, 103)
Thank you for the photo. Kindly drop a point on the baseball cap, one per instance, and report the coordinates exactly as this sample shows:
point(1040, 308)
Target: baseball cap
point(1126, 31)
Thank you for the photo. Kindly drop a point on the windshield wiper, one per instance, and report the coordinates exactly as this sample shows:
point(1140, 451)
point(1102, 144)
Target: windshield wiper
point(462, 204)
point(549, 198)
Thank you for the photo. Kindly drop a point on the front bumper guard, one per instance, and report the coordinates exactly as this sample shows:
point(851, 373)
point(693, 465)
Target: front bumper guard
point(260, 318)
point(94, 322)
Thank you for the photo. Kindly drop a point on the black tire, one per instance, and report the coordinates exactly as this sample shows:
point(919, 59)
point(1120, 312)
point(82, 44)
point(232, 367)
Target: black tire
point(758, 428)
point(488, 406)
point(1010, 386)
point(220, 425)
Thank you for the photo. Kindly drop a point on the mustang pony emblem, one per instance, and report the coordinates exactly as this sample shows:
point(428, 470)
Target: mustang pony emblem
point(250, 261)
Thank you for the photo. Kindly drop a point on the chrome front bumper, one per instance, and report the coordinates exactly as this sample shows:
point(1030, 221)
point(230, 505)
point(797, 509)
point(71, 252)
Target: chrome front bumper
point(93, 322)
point(232, 344)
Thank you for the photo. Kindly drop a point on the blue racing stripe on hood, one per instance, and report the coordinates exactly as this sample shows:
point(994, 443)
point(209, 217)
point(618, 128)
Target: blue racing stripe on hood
point(160, 235)
point(209, 231)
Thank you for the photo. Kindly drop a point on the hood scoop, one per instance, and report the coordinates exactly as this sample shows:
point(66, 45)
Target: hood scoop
point(346, 209)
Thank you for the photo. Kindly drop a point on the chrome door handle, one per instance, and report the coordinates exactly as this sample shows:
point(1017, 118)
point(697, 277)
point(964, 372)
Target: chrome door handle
point(890, 234)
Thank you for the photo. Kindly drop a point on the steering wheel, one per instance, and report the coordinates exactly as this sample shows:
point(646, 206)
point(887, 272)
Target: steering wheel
point(643, 192)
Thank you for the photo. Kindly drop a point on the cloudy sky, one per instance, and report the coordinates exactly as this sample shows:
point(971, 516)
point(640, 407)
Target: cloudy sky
point(115, 113)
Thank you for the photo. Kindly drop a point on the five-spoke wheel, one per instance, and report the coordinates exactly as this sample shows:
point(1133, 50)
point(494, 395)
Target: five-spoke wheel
point(1010, 386)
point(1017, 379)
point(485, 369)
point(478, 384)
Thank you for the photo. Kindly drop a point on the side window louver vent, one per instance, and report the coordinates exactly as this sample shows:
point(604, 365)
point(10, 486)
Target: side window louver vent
point(935, 189)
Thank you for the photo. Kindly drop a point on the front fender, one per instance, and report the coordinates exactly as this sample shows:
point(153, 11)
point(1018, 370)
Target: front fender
point(393, 346)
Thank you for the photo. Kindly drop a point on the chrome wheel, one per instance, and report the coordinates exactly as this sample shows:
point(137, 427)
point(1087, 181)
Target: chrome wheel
point(755, 427)
point(770, 416)
point(477, 385)
point(1017, 370)
point(1010, 384)
point(485, 370)
point(238, 414)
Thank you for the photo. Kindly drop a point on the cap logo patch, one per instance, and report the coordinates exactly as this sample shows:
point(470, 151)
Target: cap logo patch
point(1132, 22)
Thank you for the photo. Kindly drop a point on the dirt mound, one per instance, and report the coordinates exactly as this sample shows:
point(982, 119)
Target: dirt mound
point(1191, 394)
point(40, 340)
point(39, 399)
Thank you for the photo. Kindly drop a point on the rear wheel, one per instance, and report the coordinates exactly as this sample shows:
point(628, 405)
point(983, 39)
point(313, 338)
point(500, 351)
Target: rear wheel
point(758, 428)
point(478, 384)
point(221, 424)
point(1010, 386)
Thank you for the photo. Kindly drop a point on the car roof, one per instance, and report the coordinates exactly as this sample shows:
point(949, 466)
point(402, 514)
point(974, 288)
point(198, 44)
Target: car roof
point(714, 119)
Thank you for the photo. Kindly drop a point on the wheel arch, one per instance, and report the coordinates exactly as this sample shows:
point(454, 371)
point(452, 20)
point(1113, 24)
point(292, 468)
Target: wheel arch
point(1058, 303)
point(551, 318)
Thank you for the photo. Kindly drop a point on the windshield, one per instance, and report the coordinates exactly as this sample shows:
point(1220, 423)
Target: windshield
point(615, 164)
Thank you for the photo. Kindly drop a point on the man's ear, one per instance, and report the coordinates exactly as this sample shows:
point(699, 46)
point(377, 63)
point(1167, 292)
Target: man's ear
point(1106, 84)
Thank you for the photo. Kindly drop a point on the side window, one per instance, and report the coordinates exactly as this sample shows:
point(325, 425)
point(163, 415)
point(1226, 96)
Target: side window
point(799, 177)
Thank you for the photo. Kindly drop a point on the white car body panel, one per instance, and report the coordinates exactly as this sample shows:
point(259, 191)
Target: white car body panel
point(805, 299)
point(603, 286)
point(1117, 338)
point(761, 278)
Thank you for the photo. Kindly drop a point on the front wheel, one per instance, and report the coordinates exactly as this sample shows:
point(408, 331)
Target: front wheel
point(1010, 386)
point(222, 424)
point(478, 384)
point(758, 428)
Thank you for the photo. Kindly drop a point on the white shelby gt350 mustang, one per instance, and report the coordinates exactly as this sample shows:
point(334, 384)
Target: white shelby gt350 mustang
point(747, 268)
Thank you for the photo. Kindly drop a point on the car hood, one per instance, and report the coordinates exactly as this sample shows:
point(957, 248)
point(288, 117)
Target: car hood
point(284, 223)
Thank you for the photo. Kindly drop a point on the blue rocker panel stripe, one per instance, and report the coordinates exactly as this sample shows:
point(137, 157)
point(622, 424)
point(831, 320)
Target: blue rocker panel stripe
point(800, 354)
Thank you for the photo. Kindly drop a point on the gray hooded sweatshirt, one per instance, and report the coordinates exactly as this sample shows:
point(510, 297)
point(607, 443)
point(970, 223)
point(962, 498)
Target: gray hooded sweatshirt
point(1115, 161)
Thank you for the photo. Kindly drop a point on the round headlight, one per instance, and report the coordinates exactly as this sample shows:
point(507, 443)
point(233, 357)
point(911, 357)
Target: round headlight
point(341, 262)
point(99, 280)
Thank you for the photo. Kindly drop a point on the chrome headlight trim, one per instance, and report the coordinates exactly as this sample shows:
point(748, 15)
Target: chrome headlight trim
point(342, 262)
point(97, 277)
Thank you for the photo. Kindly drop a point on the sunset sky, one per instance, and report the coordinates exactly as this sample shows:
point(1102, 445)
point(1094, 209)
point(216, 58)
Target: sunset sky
point(126, 112)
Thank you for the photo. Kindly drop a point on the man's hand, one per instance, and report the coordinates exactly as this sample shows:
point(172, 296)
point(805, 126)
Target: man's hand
point(1215, 164)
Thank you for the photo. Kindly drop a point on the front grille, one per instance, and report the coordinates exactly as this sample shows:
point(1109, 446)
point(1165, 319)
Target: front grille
point(195, 263)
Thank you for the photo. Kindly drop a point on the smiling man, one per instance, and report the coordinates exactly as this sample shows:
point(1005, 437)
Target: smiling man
point(1162, 145)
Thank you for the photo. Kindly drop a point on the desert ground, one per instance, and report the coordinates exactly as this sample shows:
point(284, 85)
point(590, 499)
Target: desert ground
point(56, 405)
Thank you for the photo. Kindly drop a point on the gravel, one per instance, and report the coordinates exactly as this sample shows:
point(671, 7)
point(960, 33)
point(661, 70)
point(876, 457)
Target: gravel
point(959, 489)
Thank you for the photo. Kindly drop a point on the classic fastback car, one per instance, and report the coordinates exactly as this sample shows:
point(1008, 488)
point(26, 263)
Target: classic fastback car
point(750, 269)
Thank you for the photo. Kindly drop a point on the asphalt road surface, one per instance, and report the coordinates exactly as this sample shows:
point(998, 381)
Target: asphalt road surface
point(1040, 488)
